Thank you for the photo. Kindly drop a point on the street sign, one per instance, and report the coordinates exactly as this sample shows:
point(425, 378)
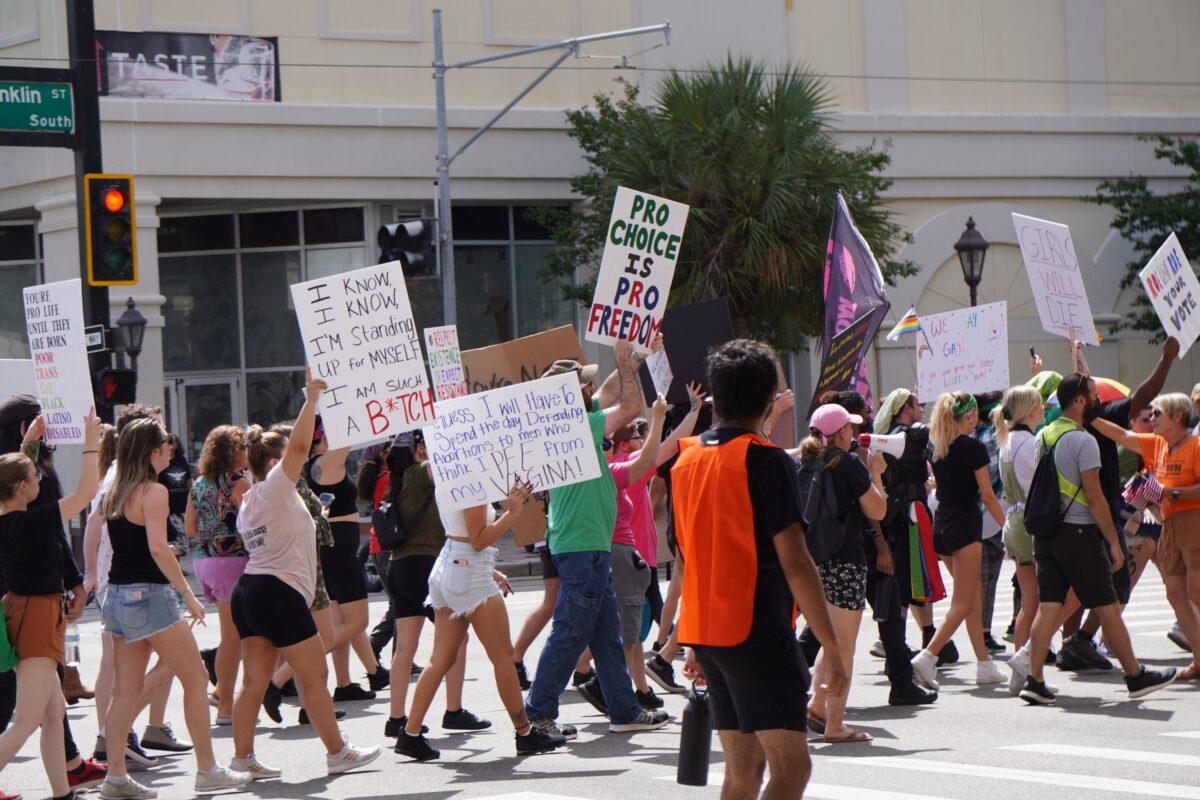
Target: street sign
point(36, 106)
point(93, 337)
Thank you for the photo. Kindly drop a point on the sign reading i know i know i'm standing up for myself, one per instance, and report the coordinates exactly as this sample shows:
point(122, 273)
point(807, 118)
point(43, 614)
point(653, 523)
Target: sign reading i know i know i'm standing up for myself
point(640, 251)
point(1055, 278)
point(1174, 292)
point(54, 321)
point(360, 338)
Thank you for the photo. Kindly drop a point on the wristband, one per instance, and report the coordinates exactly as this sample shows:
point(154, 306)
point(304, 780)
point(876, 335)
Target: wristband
point(89, 452)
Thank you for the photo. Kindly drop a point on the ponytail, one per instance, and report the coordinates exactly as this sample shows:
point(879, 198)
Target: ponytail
point(942, 422)
point(1019, 401)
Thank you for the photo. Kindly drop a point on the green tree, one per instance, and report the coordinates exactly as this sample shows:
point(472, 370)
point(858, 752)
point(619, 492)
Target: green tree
point(751, 151)
point(1146, 219)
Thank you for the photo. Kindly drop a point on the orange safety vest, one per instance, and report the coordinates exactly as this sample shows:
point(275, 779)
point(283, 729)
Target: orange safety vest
point(714, 527)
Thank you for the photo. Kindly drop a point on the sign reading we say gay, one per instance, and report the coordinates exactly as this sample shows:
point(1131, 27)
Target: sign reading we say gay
point(1174, 292)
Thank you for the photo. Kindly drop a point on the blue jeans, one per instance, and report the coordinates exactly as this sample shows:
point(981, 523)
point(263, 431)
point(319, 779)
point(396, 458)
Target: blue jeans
point(584, 616)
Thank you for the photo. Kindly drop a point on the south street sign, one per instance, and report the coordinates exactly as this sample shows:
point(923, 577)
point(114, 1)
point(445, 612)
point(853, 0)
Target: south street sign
point(36, 106)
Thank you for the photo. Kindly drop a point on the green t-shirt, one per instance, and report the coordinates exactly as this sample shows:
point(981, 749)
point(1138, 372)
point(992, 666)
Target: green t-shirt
point(428, 535)
point(583, 515)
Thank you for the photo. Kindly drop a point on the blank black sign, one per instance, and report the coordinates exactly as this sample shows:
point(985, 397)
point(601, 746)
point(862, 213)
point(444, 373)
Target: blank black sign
point(688, 333)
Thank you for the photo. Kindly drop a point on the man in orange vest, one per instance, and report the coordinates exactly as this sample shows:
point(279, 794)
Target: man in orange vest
point(739, 526)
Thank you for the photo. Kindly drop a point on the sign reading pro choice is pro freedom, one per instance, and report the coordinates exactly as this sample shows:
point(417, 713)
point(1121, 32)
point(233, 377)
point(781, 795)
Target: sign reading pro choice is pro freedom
point(640, 251)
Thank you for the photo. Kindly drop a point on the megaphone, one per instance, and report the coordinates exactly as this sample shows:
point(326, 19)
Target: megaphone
point(892, 445)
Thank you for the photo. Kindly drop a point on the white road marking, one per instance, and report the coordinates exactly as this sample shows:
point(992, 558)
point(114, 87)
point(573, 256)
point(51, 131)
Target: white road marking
point(1109, 754)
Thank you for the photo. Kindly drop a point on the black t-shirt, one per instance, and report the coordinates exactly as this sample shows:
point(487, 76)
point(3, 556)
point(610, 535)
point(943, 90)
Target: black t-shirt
point(34, 556)
point(775, 499)
point(851, 480)
point(955, 474)
point(1116, 412)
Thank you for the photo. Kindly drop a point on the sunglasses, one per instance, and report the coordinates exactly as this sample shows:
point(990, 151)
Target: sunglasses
point(1155, 413)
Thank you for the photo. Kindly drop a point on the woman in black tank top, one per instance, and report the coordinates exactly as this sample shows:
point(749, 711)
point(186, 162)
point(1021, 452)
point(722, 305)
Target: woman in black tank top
point(344, 576)
point(141, 608)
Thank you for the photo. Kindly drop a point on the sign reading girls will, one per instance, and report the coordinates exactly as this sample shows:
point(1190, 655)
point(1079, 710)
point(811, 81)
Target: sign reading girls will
point(54, 321)
point(1174, 292)
point(1054, 276)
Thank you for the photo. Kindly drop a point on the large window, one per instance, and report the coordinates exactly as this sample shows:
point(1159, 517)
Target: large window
point(20, 267)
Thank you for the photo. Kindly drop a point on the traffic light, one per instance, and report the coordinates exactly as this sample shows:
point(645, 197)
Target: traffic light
point(117, 387)
point(111, 230)
point(412, 243)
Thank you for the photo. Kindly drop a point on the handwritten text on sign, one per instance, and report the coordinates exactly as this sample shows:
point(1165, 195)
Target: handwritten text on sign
point(964, 350)
point(1054, 276)
point(536, 430)
point(445, 362)
point(640, 251)
point(54, 320)
point(360, 338)
point(1174, 292)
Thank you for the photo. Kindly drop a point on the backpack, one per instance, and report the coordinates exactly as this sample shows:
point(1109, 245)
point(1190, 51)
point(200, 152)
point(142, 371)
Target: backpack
point(823, 531)
point(1042, 513)
point(390, 530)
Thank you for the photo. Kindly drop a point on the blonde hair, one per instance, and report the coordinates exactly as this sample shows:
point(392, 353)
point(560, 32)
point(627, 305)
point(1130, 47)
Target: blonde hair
point(1175, 404)
point(263, 446)
point(943, 425)
point(136, 443)
point(1019, 402)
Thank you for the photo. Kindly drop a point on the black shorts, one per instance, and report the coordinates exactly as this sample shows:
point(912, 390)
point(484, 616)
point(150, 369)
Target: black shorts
point(1075, 558)
point(1123, 578)
point(263, 605)
point(408, 585)
point(549, 571)
point(760, 685)
point(955, 528)
point(345, 578)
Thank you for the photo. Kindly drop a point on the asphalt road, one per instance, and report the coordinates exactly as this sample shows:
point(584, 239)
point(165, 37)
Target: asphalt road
point(974, 744)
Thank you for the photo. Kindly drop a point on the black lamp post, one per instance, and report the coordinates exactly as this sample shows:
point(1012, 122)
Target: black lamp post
point(972, 249)
point(133, 328)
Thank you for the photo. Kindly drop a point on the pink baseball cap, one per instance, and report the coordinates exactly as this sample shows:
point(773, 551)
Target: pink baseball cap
point(831, 418)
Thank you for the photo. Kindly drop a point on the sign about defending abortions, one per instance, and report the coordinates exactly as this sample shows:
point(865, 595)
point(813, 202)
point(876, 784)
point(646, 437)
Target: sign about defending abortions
point(640, 251)
point(360, 338)
point(536, 431)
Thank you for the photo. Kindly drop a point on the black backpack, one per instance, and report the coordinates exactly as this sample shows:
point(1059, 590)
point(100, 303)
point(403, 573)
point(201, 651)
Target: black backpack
point(823, 531)
point(390, 530)
point(1043, 513)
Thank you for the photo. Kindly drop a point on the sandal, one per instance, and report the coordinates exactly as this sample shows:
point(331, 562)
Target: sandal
point(851, 736)
point(1189, 673)
point(816, 724)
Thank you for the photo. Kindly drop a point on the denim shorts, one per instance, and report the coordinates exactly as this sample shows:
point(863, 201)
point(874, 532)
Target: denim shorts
point(137, 611)
point(461, 579)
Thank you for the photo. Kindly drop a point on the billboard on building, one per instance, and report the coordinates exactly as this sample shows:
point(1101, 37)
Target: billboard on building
point(188, 66)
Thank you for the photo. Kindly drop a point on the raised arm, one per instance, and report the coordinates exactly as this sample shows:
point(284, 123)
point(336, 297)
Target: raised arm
point(685, 428)
point(89, 475)
point(785, 401)
point(302, 432)
point(1150, 388)
point(630, 402)
point(484, 535)
point(1118, 434)
point(609, 393)
point(647, 457)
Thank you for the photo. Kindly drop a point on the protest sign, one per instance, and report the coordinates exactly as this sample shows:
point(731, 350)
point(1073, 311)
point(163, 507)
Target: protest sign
point(640, 251)
point(537, 431)
point(359, 336)
point(688, 334)
point(840, 365)
point(520, 360)
point(54, 321)
point(964, 350)
point(1174, 292)
point(445, 362)
point(1055, 278)
point(659, 367)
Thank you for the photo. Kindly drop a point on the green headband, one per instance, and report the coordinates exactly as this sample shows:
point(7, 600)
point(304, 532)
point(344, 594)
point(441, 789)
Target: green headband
point(961, 407)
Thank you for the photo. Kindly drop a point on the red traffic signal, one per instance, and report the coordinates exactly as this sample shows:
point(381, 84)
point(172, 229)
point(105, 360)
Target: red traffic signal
point(114, 200)
point(111, 230)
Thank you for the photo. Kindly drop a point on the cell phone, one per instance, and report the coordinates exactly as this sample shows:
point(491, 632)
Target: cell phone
point(1032, 352)
point(326, 498)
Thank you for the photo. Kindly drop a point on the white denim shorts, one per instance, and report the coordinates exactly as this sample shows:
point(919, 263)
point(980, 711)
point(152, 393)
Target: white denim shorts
point(461, 579)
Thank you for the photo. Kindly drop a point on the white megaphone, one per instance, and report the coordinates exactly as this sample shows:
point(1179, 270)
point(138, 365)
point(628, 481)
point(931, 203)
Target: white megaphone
point(893, 445)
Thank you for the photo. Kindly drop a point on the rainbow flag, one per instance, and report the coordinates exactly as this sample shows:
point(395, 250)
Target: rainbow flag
point(909, 323)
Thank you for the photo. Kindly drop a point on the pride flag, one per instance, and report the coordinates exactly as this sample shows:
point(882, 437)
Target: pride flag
point(909, 323)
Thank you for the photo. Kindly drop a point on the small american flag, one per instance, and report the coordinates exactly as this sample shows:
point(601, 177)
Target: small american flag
point(1142, 490)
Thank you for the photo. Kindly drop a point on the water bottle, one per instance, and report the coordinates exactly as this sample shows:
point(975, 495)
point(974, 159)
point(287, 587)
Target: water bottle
point(695, 743)
point(72, 644)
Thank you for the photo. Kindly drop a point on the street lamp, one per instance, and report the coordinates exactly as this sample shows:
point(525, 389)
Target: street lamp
point(972, 249)
point(133, 329)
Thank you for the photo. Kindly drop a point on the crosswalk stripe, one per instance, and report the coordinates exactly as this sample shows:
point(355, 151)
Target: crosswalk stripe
point(1183, 734)
point(1062, 779)
point(823, 791)
point(1109, 754)
point(529, 796)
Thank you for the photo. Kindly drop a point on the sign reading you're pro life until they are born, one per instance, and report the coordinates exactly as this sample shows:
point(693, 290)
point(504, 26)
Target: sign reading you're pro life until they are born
point(640, 251)
point(360, 338)
point(54, 321)
point(1174, 292)
point(536, 431)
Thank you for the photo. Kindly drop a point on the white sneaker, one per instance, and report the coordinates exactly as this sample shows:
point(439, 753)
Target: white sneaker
point(128, 789)
point(877, 650)
point(350, 758)
point(987, 673)
point(1019, 664)
point(218, 779)
point(258, 770)
point(924, 666)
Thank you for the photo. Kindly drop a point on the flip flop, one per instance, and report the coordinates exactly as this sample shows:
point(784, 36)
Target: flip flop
point(853, 736)
point(816, 724)
point(1189, 673)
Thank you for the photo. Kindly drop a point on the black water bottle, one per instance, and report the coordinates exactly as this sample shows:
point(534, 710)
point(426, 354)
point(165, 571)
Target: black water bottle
point(695, 743)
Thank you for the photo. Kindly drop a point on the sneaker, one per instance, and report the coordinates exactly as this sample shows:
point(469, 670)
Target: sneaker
point(592, 692)
point(523, 676)
point(380, 679)
point(663, 674)
point(987, 673)
point(128, 789)
point(551, 727)
point(645, 721)
point(1037, 693)
point(1068, 661)
point(304, 720)
point(949, 655)
point(272, 697)
point(463, 720)
point(648, 700)
point(1147, 681)
point(1018, 663)
point(161, 737)
point(415, 747)
point(256, 769)
point(224, 722)
point(87, 775)
point(100, 751)
point(877, 650)
point(1010, 633)
point(416, 670)
point(992, 645)
point(351, 692)
point(393, 726)
point(218, 779)
point(350, 758)
point(289, 689)
point(580, 678)
point(135, 756)
point(1081, 647)
point(6, 796)
point(538, 741)
point(924, 666)
point(209, 657)
point(1051, 657)
point(910, 695)
point(1175, 634)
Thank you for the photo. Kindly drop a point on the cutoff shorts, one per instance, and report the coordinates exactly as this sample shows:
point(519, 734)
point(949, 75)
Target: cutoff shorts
point(630, 579)
point(137, 611)
point(217, 575)
point(462, 578)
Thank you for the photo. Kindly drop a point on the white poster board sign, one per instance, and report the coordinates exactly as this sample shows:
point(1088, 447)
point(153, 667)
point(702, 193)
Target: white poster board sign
point(360, 338)
point(1054, 276)
point(964, 350)
point(1174, 292)
point(640, 251)
point(445, 362)
point(16, 376)
point(660, 371)
point(54, 321)
point(536, 430)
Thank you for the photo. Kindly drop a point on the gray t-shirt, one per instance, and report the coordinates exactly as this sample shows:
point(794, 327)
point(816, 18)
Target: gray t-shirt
point(1077, 451)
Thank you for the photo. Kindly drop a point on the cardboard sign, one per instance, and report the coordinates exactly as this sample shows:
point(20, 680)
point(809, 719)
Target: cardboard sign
point(520, 360)
point(359, 336)
point(1174, 292)
point(445, 362)
point(54, 321)
point(659, 367)
point(536, 430)
point(689, 332)
point(640, 251)
point(964, 350)
point(1055, 278)
point(841, 362)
